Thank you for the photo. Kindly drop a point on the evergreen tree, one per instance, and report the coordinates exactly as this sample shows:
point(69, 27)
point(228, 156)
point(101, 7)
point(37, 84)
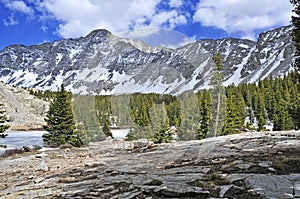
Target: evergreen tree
point(296, 30)
point(31, 92)
point(281, 119)
point(235, 111)
point(106, 130)
point(140, 105)
point(190, 117)
point(3, 120)
point(295, 112)
point(174, 111)
point(60, 122)
point(247, 95)
point(218, 97)
point(85, 115)
point(160, 124)
point(165, 135)
point(204, 100)
point(120, 108)
point(295, 107)
point(158, 116)
point(261, 112)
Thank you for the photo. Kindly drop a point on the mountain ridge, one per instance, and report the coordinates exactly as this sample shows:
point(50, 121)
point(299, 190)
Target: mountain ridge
point(102, 63)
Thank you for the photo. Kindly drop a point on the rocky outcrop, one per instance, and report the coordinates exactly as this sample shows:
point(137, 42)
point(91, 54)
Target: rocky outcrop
point(24, 111)
point(249, 165)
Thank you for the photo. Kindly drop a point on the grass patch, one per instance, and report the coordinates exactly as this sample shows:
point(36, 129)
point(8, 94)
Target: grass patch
point(55, 156)
point(214, 190)
point(286, 165)
point(215, 179)
point(24, 149)
point(11, 152)
point(211, 183)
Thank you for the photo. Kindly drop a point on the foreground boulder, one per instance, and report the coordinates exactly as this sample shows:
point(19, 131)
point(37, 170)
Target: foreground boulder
point(250, 165)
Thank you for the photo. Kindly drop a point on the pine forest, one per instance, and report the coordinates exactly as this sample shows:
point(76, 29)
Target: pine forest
point(268, 104)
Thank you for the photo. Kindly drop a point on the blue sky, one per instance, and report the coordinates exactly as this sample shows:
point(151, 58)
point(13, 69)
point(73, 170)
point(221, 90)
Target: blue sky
point(32, 22)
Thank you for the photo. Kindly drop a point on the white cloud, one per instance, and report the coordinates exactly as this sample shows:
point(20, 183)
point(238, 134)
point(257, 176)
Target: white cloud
point(79, 17)
point(243, 16)
point(178, 20)
point(11, 21)
point(175, 3)
point(19, 6)
point(169, 19)
point(44, 28)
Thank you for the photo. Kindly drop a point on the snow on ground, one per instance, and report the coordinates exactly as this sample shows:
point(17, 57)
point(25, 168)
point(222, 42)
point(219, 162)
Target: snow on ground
point(28, 79)
point(191, 84)
point(236, 77)
point(243, 46)
point(119, 133)
point(276, 63)
point(74, 52)
point(96, 74)
point(58, 58)
point(273, 60)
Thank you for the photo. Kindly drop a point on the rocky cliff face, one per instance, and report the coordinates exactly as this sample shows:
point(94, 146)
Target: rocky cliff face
point(250, 165)
point(102, 63)
point(24, 111)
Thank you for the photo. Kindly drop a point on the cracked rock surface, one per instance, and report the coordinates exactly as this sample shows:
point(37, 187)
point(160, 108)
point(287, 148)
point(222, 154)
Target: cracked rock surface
point(248, 165)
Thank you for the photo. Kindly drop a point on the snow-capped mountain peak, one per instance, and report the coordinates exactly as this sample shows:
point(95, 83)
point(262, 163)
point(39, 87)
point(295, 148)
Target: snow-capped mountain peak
point(102, 63)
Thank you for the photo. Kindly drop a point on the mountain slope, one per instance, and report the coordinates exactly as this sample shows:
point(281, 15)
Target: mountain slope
point(102, 63)
point(23, 110)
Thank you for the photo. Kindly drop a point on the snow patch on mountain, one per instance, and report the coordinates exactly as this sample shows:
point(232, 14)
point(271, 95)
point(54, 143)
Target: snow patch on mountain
point(102, 63)
point(236, 78)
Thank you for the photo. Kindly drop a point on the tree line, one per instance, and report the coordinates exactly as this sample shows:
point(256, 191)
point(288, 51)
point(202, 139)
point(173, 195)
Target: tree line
point(190, 115)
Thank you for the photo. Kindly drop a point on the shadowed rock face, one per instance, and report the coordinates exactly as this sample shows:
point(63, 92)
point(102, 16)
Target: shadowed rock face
point(102, 63)
point(250, 165)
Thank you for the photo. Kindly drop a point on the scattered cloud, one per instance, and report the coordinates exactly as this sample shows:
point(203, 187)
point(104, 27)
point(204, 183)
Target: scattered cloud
point(11, 21)
point(79, 17)
point(242, 16)
point(168, 19)
point(75, 18)
point(44, 28)
point(19, 6)
point(175, 3)
point(16, 7)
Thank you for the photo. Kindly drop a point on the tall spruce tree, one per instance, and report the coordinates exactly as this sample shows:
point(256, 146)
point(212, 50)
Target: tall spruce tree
point(235, 111)
point(218, 97)
point(296, 30)
point(106, 130)
point(205, 106)
point(261, 112)
point(190, 117)
point(160, 124)
point(3, 119)
point(295, 109)
point(60, 122)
